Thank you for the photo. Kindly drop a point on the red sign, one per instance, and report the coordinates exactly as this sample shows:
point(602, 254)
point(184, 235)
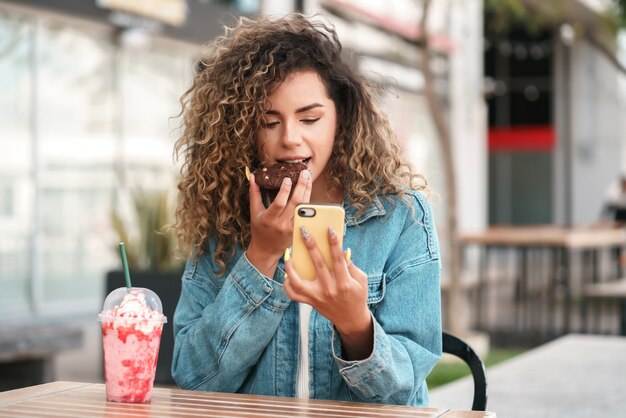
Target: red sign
point(540, 138)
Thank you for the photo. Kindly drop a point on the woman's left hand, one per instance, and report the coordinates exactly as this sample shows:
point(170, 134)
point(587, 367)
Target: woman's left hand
point(339, 295)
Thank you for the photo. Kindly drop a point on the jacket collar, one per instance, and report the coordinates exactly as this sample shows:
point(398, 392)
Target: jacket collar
point(374, 209)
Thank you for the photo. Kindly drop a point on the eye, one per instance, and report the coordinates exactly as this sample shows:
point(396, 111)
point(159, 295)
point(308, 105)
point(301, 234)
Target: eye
point(270, 125)
point(310, 121)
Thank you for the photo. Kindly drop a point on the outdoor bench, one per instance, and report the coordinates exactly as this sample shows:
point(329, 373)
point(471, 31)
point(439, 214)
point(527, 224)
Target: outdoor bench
point(27, 351)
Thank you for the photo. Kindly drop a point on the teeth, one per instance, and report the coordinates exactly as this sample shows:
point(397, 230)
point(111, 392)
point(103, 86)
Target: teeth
point(293, 161)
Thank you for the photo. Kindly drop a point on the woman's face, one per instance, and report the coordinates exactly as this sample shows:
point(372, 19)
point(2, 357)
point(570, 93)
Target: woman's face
point(300, 122)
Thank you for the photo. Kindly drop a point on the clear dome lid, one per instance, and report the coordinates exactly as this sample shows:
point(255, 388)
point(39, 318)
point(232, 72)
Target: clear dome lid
point(138, 302)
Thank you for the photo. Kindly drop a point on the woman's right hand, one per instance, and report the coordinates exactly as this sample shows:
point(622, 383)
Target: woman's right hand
point(271, 228)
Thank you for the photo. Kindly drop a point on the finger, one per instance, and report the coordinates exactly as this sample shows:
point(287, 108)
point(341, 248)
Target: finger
point(299, 192)
point(356, 272)
point(338, 257)
point(291, 291)
point(279, 203)
point(322, 272)
point(296, 288)
point(256, 204)
point(306, 198)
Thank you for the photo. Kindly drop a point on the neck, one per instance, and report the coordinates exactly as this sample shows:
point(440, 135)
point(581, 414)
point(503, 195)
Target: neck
point(322, 193)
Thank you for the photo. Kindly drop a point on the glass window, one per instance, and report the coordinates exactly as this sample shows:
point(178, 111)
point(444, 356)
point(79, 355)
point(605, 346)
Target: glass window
point(81, 119)
point(16, 187)
point(6, 201)
point(153, 78)
point(77, 145)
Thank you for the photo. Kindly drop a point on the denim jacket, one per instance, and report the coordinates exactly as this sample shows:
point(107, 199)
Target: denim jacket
point(238, 332)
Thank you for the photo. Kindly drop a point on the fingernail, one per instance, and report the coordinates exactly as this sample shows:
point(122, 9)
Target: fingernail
point(287, 181)
point(306, 174)
point(247, 173)
point(286, 276)
point(305, 233)
point(287, 255)
point(348, 254)
point(331, 232)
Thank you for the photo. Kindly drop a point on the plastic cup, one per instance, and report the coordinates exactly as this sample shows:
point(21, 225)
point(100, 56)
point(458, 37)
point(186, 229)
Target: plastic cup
point(132, 322)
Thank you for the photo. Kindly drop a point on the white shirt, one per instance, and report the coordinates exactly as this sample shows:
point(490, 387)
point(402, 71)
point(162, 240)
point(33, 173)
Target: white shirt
point(302, 382)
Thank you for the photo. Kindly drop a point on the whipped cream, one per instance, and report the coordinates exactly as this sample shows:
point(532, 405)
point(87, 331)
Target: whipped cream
point(134, 312)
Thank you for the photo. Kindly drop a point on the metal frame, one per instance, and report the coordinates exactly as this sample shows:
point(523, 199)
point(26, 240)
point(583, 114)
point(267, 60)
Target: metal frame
point(459, 348)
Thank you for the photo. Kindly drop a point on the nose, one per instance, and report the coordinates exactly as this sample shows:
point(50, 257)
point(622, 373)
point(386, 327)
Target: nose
point(292, 136)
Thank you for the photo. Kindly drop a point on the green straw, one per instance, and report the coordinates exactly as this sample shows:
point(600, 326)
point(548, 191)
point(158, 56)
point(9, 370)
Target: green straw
point(125, 266)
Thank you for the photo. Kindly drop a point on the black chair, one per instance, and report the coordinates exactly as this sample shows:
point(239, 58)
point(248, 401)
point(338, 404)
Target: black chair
point(459, 348)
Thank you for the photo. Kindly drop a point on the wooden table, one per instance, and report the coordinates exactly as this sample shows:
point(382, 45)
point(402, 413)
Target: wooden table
point(562, 241)
point(575, 376)
point(71, 399)
point(547, 235)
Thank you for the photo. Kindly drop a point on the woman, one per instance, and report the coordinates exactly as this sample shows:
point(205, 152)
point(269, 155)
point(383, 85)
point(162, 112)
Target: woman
point(279, 91)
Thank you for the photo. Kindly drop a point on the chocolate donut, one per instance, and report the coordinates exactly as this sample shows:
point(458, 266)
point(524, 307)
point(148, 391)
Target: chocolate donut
point(271, 178)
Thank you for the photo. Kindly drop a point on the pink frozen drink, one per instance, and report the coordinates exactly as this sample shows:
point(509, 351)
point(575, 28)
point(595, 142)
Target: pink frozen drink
point(132, 322)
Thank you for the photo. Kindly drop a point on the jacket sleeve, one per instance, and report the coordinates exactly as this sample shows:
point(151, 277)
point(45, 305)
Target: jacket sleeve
point(407, 321)
point(222, 324)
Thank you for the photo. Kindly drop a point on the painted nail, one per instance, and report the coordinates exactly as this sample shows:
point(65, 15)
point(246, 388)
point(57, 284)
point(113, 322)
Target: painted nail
point(287, 181)
point(247, 173)
point(305, 233)
point(306, 174)
point(286, 276)
point(348, 254)
point(287, 254)
point(332, 233)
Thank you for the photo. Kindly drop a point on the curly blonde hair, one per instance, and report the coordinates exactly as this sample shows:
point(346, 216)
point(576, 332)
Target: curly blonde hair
point(223, 110)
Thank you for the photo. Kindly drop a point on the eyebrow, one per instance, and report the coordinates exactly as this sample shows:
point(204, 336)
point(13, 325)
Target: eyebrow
point(300, 110)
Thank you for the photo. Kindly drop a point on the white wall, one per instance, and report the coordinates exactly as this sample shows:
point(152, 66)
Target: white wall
point(596, 130)
point(468, 117)
point(622, 98)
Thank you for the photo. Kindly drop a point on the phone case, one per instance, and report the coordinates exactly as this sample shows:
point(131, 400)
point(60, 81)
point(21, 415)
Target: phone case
point(325, 216)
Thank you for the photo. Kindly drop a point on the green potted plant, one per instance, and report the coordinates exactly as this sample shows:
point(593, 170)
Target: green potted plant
point(149, 242)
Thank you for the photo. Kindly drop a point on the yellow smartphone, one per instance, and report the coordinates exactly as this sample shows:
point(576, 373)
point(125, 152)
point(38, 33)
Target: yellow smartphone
point(317, 218)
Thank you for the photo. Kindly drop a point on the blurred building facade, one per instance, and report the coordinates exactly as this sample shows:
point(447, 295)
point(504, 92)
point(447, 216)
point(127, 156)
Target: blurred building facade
point(89, 98)
point(555, 132)
point(87, 112)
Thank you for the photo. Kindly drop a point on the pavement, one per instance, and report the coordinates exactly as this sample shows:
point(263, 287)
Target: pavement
point(575, 376)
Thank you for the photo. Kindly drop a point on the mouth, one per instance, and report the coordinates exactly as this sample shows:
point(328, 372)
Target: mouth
point(304, 161)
